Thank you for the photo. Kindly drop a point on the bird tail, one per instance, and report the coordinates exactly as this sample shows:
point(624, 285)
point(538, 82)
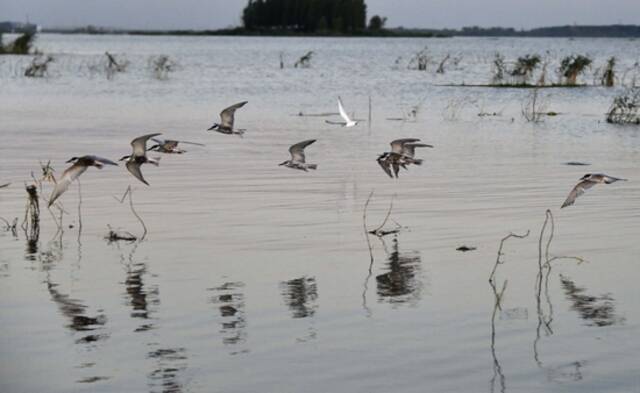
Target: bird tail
point(312, 166)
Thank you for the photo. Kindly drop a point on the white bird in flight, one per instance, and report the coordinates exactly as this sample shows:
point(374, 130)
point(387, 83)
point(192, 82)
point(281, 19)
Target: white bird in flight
point(347, 120)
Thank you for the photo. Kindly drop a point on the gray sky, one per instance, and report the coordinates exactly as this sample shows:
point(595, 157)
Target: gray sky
point(213, 14)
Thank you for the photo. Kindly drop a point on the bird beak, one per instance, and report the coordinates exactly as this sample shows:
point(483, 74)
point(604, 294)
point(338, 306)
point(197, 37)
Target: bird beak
point(70, 160)
point(213, 127)
point(281, 164)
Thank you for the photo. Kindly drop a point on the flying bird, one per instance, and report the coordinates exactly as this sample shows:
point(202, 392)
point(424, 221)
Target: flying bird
point(347, 120)
point(79, 166)
point(170, 146)
point(586, 182)
point(297, 160)
point(139, 156)
point(402, 154)
point(227, 119)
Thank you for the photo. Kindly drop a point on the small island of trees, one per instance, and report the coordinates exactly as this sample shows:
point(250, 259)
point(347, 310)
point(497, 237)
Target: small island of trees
point(309, 16)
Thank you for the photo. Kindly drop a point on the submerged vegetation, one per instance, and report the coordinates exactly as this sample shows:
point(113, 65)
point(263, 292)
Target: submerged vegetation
point(38, 67)
point(625, 108)
point(572, 66)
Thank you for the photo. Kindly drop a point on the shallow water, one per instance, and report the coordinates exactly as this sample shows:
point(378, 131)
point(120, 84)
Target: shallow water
point(253, 277)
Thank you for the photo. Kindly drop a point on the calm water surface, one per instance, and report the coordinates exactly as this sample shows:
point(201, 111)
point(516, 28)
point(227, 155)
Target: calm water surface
point(254, 277)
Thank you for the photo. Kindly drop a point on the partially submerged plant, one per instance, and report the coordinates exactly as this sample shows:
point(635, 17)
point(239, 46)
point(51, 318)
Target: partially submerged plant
point(524, 67)
point(499, 68)
point(625, 108)
point(572, 66)
point(420, 60)
point(534, 107)
point(38, 67)
point(114, 65)
point(608, 75)
point(440, 69)
point(161, 66)
point(304, 61)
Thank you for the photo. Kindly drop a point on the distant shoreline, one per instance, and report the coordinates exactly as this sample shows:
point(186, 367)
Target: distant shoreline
point(574, 31)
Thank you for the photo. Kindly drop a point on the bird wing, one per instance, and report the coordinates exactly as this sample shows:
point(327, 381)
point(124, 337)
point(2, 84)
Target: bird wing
point(397, 146)
point(140, 144)
point(297, 150)
point(385, 167)
point(578, 190)
point(102, 160)
point(343, 113)
point(68, 176)
point(227, 114)
point(134, 168)
point(191, 143)
point(339, 123)
point(409, 149)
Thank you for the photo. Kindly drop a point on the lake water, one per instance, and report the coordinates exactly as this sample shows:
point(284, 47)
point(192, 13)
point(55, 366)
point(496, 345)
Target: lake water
point(254, 277)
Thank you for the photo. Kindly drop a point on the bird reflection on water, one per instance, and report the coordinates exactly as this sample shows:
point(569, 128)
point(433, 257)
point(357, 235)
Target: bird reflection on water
point(231, 308)
point(301, 295)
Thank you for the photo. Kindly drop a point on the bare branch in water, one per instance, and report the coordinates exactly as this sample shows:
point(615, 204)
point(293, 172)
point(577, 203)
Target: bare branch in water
point(499, 261)
point(129, 192)
point(364, 224)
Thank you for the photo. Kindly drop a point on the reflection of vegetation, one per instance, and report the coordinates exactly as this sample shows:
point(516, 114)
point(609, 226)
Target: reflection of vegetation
point(300, 295)
point(625, 108)
point(597, 310)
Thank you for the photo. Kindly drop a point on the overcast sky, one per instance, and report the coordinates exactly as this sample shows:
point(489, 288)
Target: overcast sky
point(213, 14)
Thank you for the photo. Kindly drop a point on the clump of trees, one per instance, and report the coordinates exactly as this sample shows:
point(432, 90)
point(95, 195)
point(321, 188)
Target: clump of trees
point(20, 46)
point(343, 16)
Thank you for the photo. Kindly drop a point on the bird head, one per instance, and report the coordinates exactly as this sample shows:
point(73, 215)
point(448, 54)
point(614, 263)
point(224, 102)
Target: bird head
point(72, 159)
point(585, 177)
point(124, 158)
point(213, 127)
point(283, 163)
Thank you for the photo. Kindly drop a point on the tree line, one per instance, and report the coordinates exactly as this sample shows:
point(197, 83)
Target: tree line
point(343, 16)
